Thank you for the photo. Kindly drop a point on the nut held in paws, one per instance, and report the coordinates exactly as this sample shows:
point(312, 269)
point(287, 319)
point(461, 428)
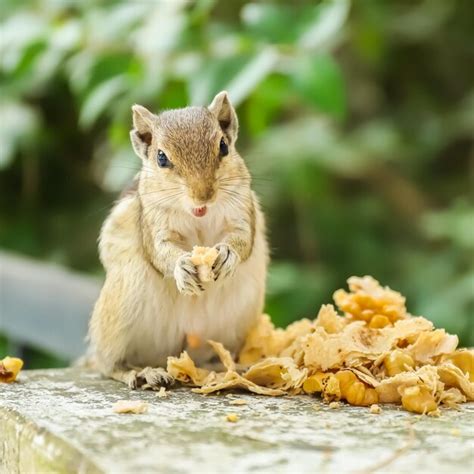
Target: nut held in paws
point(204, 258)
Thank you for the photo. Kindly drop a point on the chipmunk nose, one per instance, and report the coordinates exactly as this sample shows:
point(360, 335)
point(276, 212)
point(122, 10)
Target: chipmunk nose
point(202, 193)
point(199, 211)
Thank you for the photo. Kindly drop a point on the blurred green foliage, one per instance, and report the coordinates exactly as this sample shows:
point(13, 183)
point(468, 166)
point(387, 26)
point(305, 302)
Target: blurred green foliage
point(356, 118)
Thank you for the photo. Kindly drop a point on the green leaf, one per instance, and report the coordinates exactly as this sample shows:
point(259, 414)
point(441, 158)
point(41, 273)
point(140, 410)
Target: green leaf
point(326, 26)
point(276, 23)
point(18, 33)
point(267, 101)
point(455, 223)
point(319, 81)
point(295, 291)
point(213, 76)
point(120, 170)
point(29, 56)
point(252, 74)
point(447, 305)
point(19, 125)
point(108, 66)
point(100, 99)
point(308, 139)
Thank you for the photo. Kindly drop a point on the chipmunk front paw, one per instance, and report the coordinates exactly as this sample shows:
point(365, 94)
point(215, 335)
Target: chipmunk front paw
point(186, 276)
point(226, 262)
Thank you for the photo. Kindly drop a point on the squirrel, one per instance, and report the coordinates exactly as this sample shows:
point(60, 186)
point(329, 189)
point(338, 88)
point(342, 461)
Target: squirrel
point(193, 189)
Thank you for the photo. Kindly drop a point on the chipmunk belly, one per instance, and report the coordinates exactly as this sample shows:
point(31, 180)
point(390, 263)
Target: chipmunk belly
point(226, 310)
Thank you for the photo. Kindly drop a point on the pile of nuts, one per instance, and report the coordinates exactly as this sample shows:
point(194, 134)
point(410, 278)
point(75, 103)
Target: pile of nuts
point(376, 352)
point(369, 302)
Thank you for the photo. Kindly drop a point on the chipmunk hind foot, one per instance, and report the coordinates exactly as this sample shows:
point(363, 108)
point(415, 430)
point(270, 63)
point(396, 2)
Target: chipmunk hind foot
point(148, 377)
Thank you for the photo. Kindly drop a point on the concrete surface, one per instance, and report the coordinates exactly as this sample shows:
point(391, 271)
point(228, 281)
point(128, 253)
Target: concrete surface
point(62, 421)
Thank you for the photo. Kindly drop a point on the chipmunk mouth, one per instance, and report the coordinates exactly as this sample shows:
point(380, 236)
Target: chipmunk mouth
point(199, 211)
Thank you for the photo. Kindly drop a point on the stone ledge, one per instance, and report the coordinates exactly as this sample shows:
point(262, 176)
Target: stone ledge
point(61, 421)
point(27, 447)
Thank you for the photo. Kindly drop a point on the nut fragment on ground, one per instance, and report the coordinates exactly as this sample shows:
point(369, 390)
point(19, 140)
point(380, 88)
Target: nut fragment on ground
point(9, 369)
point(375, 409)
point(162, 393)
point(238, 401)
point(232, 417)
point(334, 405)
point(130, 406)
point(204, 258)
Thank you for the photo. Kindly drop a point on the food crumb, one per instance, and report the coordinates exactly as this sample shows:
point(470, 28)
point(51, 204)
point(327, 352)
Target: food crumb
point(238, 401)
point(455, 432)
point(375, 409)
point(232, 417)
point(162, 393)
point(9, 369)
point(334, 405)
point(315, 407)
point(204, 258)
point(130, 406)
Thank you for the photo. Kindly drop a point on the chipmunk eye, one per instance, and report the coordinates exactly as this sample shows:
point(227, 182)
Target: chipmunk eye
point(223, 148)
point(162, 160)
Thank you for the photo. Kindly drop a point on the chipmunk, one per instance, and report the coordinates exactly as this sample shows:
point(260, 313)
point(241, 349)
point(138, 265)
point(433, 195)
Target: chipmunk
point(193, 189)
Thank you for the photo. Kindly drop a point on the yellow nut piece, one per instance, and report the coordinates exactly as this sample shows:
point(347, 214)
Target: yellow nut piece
point(355, 391)
point(375, 409)
point(379, 321)
point(397, 362)
point(9, 369)
point(359, 394)
point(314, 383)
point(331, 388)
point(366, 315)
point(355, 394)
point(232, 417)
point(370, 397)
point(418, 399)
point(346, 378)
point(464, 359)
point(367, 300)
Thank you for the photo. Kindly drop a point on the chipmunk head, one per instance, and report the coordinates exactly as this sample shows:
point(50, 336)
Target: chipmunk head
point(188, 154)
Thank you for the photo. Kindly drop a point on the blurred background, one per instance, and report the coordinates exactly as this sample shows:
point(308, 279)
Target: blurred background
point(357, 120)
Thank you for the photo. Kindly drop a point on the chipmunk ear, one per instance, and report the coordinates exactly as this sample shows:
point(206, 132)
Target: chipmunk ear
point(142, 130)
point(222, 108)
